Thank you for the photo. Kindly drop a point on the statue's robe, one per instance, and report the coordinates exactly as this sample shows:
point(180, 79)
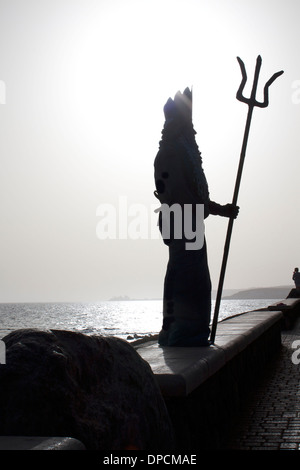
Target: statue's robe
point(180, 179)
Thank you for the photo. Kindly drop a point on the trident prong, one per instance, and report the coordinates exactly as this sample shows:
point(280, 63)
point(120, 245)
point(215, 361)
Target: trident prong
point(252, 100)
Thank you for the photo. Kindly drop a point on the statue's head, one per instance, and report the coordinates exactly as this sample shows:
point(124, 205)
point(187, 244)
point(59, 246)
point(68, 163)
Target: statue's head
point(180, 109)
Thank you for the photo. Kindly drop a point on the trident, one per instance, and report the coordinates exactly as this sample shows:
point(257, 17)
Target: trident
point(251, 102)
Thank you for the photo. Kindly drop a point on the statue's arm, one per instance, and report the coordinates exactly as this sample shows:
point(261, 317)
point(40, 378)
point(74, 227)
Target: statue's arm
point(228, 210)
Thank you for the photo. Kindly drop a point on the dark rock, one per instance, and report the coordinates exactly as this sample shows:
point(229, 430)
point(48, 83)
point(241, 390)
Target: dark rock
point(93, 388)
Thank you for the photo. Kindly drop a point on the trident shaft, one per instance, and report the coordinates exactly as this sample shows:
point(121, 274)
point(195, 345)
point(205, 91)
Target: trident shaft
point(252, 103)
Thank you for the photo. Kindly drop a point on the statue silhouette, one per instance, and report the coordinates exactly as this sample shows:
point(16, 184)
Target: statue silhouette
point(180, 180)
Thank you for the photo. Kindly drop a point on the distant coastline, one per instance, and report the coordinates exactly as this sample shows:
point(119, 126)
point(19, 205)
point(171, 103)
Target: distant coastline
point(120, 297)
point(279, 292)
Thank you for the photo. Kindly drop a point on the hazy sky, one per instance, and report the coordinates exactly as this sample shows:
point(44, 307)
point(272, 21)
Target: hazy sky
point(82, 89)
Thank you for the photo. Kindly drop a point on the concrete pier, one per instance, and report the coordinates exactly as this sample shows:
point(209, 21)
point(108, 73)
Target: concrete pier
point(204, 387)
point(181, 370)
point(241, 393)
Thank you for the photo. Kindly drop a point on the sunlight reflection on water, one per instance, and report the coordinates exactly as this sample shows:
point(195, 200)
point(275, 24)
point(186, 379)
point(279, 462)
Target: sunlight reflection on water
point(118, 318)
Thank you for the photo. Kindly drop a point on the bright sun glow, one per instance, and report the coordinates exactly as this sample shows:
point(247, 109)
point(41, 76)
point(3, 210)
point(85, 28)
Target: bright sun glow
point(124, 70)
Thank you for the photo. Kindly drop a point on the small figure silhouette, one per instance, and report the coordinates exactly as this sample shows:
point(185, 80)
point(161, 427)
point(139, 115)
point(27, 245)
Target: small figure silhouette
point(180, 179)
point(296, 278)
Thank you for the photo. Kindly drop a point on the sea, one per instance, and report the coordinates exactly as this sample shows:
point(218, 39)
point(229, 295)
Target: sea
point(132, 320)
